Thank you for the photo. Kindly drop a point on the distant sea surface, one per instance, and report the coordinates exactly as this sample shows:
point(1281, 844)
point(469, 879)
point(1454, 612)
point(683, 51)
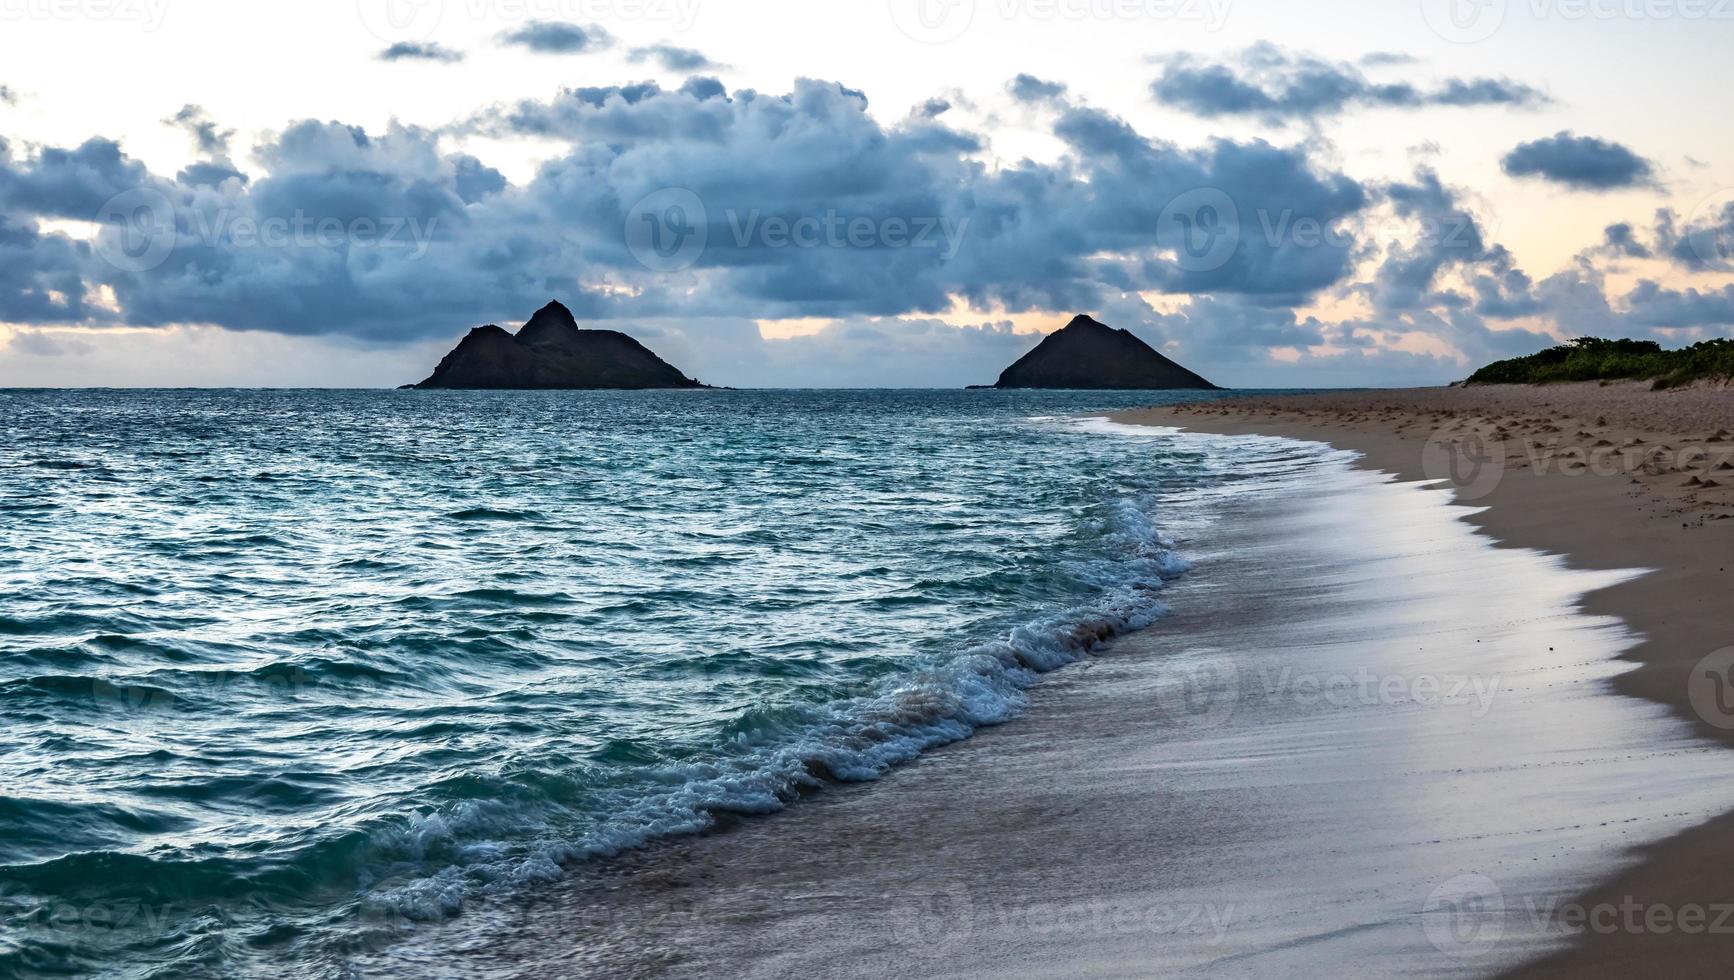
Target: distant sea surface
point(284, 675)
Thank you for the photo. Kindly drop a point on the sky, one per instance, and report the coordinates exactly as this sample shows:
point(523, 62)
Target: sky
point(883, 193)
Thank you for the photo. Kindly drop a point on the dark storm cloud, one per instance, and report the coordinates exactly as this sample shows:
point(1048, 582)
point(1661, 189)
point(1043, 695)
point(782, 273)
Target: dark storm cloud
point(421, 51)
point(757, 165)
point(1132, 190)
point(557, 37)
point(1579, 162)
point(1270, 83)
point(425, 240)
point(61, 183)
point(906, 218)
point(42, 277)
point(1025, 236)
point(343, 232)
point(474, 180)
point(1028, 88)
point(673, 58)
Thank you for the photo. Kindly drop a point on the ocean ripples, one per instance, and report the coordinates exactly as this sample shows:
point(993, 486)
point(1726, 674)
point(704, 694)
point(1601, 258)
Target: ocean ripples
point(290, 670)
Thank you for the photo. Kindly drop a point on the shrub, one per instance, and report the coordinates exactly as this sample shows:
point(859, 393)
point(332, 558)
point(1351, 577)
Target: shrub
point(1596, 359)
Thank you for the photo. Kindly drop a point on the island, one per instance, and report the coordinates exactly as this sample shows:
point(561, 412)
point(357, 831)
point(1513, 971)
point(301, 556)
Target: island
point(1088, 354)
point(550, 352)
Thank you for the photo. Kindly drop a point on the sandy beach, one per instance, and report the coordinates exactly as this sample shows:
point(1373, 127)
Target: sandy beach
point(936, 489)
point(1608, 477)
point(1367, 741)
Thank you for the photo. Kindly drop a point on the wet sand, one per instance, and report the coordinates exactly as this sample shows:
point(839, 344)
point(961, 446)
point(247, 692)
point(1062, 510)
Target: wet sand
point(1613, 476)
point(1364, 743)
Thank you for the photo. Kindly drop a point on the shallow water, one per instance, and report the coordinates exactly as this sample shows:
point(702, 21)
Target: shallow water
point(282, 673)
point(1364, 743)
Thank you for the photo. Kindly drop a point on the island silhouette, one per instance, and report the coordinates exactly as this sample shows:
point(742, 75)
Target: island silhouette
point(1086, 353)
point(550, 352)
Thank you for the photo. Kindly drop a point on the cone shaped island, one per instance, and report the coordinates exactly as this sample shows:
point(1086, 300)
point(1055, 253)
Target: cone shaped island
point(1086, 353)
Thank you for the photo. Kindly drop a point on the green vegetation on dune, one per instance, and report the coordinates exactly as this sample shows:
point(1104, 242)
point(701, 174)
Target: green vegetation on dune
point(1595, 359)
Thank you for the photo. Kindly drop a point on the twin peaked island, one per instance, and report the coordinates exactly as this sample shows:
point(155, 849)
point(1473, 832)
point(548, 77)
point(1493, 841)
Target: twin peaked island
point(550, 352)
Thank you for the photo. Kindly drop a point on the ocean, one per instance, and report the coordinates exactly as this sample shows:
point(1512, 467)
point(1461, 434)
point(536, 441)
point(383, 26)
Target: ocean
point(286, 676)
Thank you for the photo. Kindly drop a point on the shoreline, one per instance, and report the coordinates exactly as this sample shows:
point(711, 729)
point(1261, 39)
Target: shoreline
point(1607, 477)
point(1179, 803)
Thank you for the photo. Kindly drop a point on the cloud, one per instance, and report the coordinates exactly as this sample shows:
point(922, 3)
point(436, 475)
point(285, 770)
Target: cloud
point(1267, 82)
point(208, 137)
point(1621, 240)
point(1652, 305)
point(702, 87)
point(1579, 162)
point(209, 174)
point(42, 278)
point(808, 206)
point(811, 208)
point(673, 58)
point(340, 234)
point(557, 37)
point(1484, 91)
point(1451, 238)
point(421, 51)
point(196, 356)
point(1448, 278)
point(8, 95)
point(1028, 88)
point(855, 352)
point(40, 343)
point(474, 180)
point(62, 183)
point(1702, 243)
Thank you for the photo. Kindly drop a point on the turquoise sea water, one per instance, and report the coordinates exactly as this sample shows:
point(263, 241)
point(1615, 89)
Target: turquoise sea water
point(284, 674)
